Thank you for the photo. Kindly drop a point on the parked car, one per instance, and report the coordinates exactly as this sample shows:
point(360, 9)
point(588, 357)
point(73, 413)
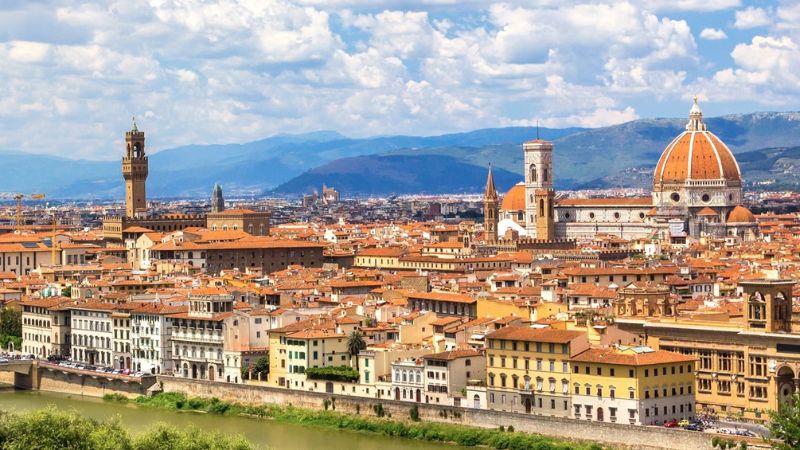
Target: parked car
point(3, 360)
point(684, 423)
point(671, 423)
point(694, 427)
point(126, 372)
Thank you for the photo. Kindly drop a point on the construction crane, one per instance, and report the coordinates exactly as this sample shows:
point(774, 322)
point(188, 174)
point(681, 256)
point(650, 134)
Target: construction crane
point(18, 197)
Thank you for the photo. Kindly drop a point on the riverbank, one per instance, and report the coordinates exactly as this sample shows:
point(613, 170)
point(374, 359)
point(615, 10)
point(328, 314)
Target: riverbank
point(406, 427)
point(264, 434)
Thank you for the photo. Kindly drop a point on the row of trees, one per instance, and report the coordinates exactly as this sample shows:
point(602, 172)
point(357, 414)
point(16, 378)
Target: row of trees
point(54, 429)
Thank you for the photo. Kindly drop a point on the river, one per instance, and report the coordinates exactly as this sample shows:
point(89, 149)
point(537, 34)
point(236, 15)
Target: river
point(263, 433)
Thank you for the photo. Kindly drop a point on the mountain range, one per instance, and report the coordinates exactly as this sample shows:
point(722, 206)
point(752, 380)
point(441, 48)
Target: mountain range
point(767, 146)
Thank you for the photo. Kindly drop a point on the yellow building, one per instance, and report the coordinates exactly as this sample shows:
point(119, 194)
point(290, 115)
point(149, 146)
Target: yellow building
point(528, 369)
point(746, 366)
point(636, 385)
point(295, 348)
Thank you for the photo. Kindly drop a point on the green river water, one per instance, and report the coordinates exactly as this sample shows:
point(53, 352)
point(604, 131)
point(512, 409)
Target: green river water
point(263, 433)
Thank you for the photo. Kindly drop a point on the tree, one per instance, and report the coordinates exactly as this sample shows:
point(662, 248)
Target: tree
point(10, 322)
point(355, 343)
point(261, 367)
point(784, 425)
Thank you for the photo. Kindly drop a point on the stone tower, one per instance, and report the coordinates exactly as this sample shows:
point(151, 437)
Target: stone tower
point(768, 305)
point(217, 201)
point(539, 194)
point(134, 170)
point(490, 209)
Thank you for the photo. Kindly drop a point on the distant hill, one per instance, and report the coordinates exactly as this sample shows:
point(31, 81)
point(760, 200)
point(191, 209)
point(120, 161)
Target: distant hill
point(400, 174)
point(619, 155)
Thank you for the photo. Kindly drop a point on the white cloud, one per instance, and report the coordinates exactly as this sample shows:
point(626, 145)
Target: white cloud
point(600, 117)
point(204, 71)
point(713, 34)
point(766, 72)
point(751, 17)
point(691, 5)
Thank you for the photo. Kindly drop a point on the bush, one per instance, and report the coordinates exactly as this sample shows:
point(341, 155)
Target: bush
point(413, 413)
point(52, 428)
point(115, 397)
point(332, 373)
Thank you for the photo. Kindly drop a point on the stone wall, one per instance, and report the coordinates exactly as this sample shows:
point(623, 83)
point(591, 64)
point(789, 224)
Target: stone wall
point(618, 435)
point(65, 381)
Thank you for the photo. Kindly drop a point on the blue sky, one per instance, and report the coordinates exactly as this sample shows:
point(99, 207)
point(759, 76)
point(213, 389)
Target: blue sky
point(218, 71)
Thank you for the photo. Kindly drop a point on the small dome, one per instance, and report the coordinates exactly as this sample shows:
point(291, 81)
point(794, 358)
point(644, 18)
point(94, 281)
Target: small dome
point(740, 214)
point(706, 212)
point(696, 154)
point(514, 200)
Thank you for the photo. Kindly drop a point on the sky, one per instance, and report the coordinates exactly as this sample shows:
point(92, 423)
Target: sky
point(220, 71)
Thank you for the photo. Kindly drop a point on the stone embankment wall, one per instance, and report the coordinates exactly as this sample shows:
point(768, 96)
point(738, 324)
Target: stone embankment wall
point(618, 435)
point(53, 378)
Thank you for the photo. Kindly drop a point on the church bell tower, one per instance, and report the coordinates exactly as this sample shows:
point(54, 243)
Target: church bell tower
point(539, 194)
point(134, 171)
point(490, 210)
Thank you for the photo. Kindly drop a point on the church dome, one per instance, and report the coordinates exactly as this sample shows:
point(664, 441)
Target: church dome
point(514, 200)
point(696, 154)
point(740, 214)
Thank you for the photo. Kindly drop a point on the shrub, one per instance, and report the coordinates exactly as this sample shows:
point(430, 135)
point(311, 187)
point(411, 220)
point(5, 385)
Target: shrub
point(413, 413)
point(115, 397)
point(52, 428)
point(332, 373)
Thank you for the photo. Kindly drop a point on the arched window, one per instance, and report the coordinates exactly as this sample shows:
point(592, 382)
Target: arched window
point(544, 175)
point(534, 175)
point(541, 207)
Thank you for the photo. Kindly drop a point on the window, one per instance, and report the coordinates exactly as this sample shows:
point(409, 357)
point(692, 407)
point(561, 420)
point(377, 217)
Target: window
point(705, 360)
point(758, 366)
point(758, 392)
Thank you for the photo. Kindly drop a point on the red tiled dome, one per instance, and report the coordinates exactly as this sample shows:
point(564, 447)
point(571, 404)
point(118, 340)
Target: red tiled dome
point(740, 214)
point(514, 200)
point(696, 154)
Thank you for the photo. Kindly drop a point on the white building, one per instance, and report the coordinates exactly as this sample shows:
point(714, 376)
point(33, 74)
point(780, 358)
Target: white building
point(197, 335)
point(408, 380)
point(92, 333)
point(151, 331)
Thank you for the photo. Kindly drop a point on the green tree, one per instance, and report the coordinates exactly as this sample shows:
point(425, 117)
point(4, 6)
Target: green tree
point(51, 428)
point(784, 425)
point(261, 366)
point(355, 343)
point(11, 322)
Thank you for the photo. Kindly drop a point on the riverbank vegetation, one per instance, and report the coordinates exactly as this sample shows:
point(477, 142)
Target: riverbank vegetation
point(424, 431)
point(333, 373)
point(51, 428)
point(10, 329)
